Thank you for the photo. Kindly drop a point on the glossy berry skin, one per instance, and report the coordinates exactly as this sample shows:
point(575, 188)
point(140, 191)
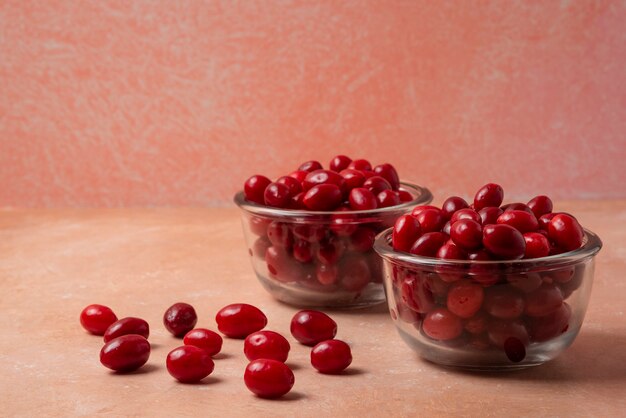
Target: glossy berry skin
point(418, 209)
point(389, 173)
point(465, 299)
point(516, 206)
point(277, 195)
point(254, 188)
point(125, 353)
point(405, 196)
point(352, 178)
point(406, 231)
point(355, 273)
point(376, 184)
point(311, 327)
point(331, 356)
point(323, 177)
point(268, 378)
point(294, 185)
point(490, 194)
point(540, 205)
point(431, 220)
point(441, 324)
point(189, 364)
point(302, 251)
point(239, 320)
point(362, 199)
point(451, 205)
point(361, 165)
point(520, 220)
point(299, 175)
point(97, 318)
point(566, 232)
point(127, 326)
point(544, 220)
point(339, 162)
point(544, 328)
point(310, 166)
point(179, 319)
point(428, 244)
point(208, 340)
point(467, 234)
point(388, 198)
point(322, 197)
point(451, 251)
point(417, 294)
point(489, 215)
point(504, 241)
point(266, 344)
point(466, 213)
point(537, 245)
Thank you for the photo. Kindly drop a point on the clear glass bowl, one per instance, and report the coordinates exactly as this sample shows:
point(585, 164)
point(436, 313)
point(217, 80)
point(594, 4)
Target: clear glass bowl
point(526, 323)
point(343, 271)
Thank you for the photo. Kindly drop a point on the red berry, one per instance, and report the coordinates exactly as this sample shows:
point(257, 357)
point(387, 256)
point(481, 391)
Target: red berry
point(405, 196)
point(362, 239)
point(331, 356)
point(310, 166)
point(294, 185)
point(537, 245)
point(327, 274)
point(431, 220)
point(540, 205)
point(526, 282)
point(543, 301)
point(239, 320)
point(416, 294)
point(317, 177)
point(566, 232)
point(352, 178)
point(550, 326)
point(299, 175)
point(500, 331)
point(464, 299)
point(428, 244)
point(361, 165)
point(451, 205)
point(389, 173)
point(268, 378)
point(466, 213)
point(362, 199)
point(489, 195)
point(127, 326)
point(489, 215)
point(355, 273)
point(266, 344)
point(340, 162)
point(442, 325)
point(418, 209)
point(516, 206)
point(280, 234)
point(280, 264)
point(125, 353)
point(477, 324)
point(405, 232)
point(503, 302)
point(189, 364)
point(179, 319)
point(208, 340)
point(467, 234)
point(254, 188)
point(277, 195)
point(311, 327)
point(322, 197)
point(451, 251)
point(520, 220)
point(388, 198)
point(302, 251)
point(504, 241)
point(544, 220)
point(97, 318)
point(376, 184)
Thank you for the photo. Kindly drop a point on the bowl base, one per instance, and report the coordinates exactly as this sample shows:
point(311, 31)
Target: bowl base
point(295, 295)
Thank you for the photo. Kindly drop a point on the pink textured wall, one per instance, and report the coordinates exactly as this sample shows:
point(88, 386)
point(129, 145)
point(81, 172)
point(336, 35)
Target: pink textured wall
point(177, 102)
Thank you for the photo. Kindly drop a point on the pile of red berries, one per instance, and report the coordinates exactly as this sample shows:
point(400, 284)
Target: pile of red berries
point(127, 348)
point(347, 185)
point(331, 252)
point(483, 305)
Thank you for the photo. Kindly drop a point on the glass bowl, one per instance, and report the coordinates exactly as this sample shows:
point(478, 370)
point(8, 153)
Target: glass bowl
point(529, 311)
point(320, 259)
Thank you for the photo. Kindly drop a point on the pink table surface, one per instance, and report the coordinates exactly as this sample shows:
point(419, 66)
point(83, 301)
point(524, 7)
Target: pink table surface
point(139, 261)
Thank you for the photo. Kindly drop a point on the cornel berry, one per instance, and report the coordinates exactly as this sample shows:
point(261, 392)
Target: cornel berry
point(179, 319)
point(189, 364)
point(311, 327)
point(125, 353)
point(268, 378)
point(97, 318)
point(334, 253)
point(478, 304)
point(238, 320)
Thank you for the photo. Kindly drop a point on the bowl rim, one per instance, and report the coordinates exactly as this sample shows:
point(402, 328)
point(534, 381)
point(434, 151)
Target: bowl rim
point(591, 246)
point(424, 197)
